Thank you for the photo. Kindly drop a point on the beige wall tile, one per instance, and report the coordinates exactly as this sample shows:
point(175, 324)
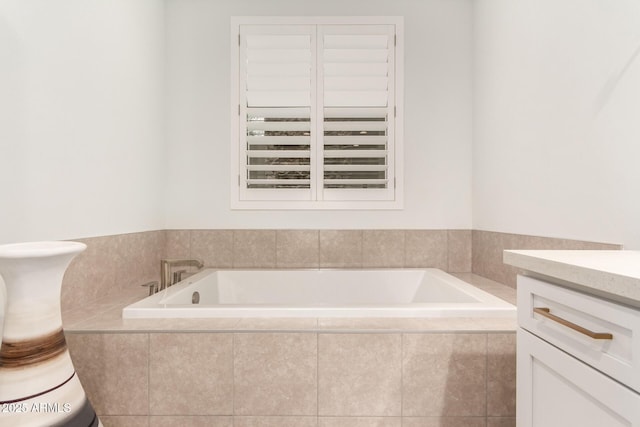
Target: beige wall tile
point(178, 244)
point(213, 247)
point(191, 374)
point(360, 422)
point(444, 375)
point(341, 248)
point(137, 257)
point(128, 256)
point(501, 375)
point(275, 421)
point(156, 244)
point(118, 262)
point(593, 245)
point(124, 421)
point(110, 265)
point(254, 248)
point(488, 247)
point(383, 248)
point(487, 255)
point(459, 250)
point(426, 248)
point(359, 374)
point(275, 374)
point(501, 422)
point(297, 248)
point(509, 273)
point(443, 422)
point(190, 421)
point(114, 371)
point(90, 274)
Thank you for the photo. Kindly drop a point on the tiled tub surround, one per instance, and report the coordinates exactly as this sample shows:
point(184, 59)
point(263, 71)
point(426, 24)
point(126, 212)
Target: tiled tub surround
point(291, 372)
point(116, 264)
point(113, 265)
point(299, 378)
point(488, 247)
point(110, 267)
point(448, 250)
point(323, 372)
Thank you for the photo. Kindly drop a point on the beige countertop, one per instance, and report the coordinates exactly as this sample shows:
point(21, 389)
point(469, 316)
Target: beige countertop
point(610, 274)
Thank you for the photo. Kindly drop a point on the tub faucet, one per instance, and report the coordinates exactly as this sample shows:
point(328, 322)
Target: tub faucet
point(166, 279)
point(153, 287)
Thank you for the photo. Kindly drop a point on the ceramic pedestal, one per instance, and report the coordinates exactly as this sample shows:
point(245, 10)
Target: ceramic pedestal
point(38, 384)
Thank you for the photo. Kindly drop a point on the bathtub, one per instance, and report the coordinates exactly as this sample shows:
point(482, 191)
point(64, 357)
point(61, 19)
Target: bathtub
point(320, 293)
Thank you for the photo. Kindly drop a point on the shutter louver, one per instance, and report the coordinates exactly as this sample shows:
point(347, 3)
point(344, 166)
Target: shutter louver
point(356, 111)
point(278, 95)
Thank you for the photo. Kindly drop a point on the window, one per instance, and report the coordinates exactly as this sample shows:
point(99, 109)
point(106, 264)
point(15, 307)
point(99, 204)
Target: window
point(317, 117)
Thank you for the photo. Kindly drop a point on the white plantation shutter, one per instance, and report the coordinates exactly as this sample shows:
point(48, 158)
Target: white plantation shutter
point(277, 91)
point(317, 115)
point(357, 72)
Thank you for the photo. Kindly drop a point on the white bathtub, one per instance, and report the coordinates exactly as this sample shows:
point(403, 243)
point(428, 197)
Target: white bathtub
point(321, 293)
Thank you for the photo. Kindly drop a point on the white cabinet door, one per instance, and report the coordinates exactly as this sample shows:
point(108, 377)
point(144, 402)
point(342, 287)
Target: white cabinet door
point(557, 390)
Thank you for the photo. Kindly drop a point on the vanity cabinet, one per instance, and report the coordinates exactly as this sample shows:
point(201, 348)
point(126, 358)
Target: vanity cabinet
point(578, 358)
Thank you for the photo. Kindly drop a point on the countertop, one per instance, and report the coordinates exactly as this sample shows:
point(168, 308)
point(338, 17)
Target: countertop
point(610, 274)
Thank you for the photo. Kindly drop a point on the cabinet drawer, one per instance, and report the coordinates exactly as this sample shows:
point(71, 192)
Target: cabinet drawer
point(565, 317)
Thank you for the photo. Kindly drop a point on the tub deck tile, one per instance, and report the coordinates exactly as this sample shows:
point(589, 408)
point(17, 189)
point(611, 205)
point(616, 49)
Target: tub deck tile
point(444, 324)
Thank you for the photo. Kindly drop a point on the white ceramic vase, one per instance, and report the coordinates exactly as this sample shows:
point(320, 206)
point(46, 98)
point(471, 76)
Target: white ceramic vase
point(38, 383)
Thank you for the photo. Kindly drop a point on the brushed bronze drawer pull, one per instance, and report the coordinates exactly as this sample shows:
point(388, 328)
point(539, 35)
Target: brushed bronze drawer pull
point(546, 312)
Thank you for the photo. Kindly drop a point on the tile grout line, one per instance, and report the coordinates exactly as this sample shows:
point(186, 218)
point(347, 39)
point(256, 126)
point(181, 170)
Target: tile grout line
point(317, 379)
point(275, 249)
point(401, 378)
point(318, 247)
point(149, 379)
point(361, 249)
point(404, 249)
point(233, 378)
point(233, 248)
point(447, 249)
point(486, 380)
point(469, 251)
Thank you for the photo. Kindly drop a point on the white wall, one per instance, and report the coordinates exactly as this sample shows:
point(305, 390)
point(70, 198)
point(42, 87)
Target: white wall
point(81, 127)
point(438, 120)
point(555, 128)
point(557, 118)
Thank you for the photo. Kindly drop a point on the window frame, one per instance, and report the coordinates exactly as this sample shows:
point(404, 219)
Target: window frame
point(395, 180)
